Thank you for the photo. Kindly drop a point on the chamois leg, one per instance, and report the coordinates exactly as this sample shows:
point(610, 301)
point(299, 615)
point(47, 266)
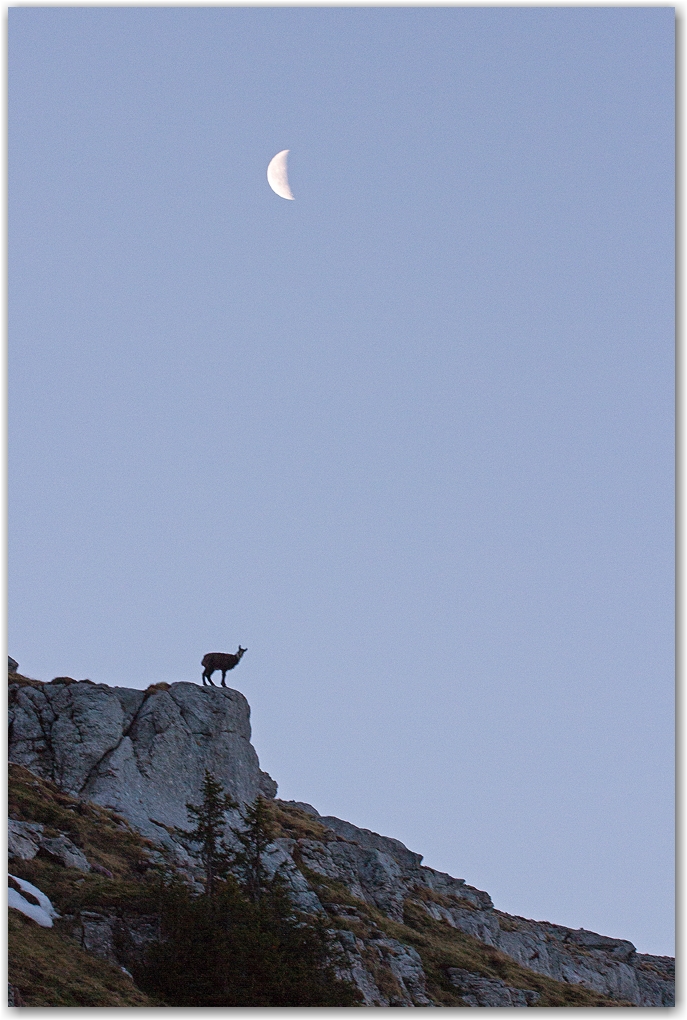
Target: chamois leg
point(208, 677)
point(224, 675)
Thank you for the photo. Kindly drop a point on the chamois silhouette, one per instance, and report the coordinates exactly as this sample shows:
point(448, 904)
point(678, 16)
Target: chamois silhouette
point(220, 660)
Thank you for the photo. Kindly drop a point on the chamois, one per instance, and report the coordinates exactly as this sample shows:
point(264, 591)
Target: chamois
point(220, 660)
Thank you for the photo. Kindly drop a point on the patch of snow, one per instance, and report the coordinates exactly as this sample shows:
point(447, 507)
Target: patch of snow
point(43, 913)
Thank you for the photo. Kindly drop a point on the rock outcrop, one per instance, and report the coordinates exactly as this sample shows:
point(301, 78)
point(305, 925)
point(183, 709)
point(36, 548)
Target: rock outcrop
point(26, 839)
point(477, 990)
point(143, 754)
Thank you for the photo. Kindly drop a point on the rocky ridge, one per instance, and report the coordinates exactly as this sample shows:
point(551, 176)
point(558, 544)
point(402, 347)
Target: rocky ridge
point(143, 754)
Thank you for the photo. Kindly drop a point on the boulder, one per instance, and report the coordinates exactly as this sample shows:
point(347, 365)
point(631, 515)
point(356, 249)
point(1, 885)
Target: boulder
point(61, 849)
point(24, 839)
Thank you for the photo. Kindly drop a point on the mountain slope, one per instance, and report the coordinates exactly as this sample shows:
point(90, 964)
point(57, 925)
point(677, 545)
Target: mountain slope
point(111, 769)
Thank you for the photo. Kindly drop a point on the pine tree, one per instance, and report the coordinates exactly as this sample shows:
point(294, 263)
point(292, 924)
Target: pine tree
point(210, 818)
point(254, 838)
point(243, 943)
point(227, 951)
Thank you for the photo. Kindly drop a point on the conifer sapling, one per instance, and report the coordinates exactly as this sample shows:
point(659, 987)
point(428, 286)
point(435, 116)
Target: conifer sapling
point(210, 818)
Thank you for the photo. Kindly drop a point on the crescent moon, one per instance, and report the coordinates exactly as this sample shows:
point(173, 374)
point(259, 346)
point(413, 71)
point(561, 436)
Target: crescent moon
point(277, 177)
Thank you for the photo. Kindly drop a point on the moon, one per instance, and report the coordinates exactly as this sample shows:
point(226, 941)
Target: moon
point(277, 177)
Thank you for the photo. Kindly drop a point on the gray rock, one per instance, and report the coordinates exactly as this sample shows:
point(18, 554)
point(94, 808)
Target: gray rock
point(120, 940)
point(267, 786)
point(386, 972)
point(605, 965)
point(14, 997)
point(482, 924)
point(406, 966)
point(357, 968)
point(365, 837)
point(24, 839)
point(369, 874)
point(12, 665)
point(278, 858)
point(478, 990)
point(95, 933)
point(456, 890)
point(578, 957)
point(63, 850)
point(308, 808)
point(656, 979)
point(142, 753)
point(382, 872)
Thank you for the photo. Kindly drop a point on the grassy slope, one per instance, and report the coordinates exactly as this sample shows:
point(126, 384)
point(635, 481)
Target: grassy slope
point(105, 838)
point(46, 964)
point(51, 970)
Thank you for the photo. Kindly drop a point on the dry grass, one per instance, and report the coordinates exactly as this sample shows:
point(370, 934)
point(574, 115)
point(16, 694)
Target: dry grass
point(23, 681)
point(52, 970)
point(293, 823)
point(506, 922)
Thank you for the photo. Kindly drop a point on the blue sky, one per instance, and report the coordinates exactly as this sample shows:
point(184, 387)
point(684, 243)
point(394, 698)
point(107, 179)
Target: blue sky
point(408, 439)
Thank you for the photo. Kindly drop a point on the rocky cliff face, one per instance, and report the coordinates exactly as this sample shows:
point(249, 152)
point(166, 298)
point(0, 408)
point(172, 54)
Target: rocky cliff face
point(144, 754)
point(385, 874)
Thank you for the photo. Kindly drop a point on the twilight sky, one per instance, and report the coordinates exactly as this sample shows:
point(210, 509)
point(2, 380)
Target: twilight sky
point(408, 438)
